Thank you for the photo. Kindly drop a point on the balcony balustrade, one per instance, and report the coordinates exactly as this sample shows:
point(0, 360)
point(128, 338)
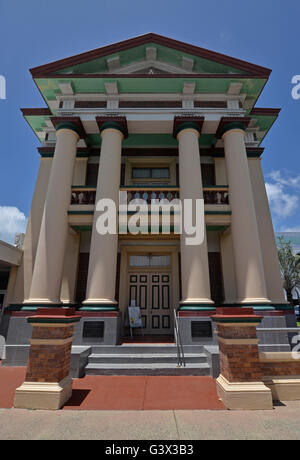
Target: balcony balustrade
point(83, 196)
point(212, 195)
point(216, 195)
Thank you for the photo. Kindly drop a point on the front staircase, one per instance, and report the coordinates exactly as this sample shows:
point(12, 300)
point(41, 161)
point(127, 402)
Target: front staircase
point(146, 359)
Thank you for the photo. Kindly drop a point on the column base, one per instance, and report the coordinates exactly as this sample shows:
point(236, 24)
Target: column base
point(244, 395)
point(43, 395)
point(284, 388)
point(254, 301)
point(104, 302)
point(43, 302)
point(200, 301)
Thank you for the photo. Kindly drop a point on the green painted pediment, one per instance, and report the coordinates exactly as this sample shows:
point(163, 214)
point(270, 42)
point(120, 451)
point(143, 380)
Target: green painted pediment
point(137, 55)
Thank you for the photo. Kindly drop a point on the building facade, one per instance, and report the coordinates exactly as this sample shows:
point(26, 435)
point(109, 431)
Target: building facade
point(156, 118)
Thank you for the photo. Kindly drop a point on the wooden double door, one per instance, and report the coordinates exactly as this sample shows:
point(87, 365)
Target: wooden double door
point(152, 292)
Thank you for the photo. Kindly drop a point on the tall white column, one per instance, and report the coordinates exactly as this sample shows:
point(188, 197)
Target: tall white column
point(250, 279)
point(48, 267)
point(25, 270)
point(103, 253)
point(273, 278)
point(194, 259)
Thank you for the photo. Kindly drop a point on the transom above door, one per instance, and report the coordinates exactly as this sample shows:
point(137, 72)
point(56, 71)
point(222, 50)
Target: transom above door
point(152, 293)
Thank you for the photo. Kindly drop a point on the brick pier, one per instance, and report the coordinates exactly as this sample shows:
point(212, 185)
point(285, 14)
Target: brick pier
point(47, 384)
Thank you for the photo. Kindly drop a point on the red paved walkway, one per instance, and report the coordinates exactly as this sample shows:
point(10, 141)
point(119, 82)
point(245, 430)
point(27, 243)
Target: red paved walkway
point(10, 379)
point(126, 392)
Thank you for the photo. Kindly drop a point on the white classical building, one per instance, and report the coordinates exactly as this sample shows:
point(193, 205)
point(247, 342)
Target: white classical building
point(157, 118)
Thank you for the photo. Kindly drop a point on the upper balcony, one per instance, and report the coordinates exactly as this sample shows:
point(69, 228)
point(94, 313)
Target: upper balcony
point(213, 195)
point(216, 201)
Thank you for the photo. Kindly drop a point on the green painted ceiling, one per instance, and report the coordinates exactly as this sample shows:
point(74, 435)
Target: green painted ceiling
point(49, 86)
point(151, 140)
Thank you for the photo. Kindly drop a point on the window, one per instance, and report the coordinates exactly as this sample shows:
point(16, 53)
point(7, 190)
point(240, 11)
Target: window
point(150, 173)
point(150, 261)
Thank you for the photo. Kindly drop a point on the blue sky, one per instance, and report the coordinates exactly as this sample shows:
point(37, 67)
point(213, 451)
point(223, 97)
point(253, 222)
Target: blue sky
point(35, 32)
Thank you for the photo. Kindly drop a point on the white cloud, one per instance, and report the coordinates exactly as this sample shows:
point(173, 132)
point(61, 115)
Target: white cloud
point(295, 229)
point(282, 204)
point(287, 181)
point(283, 193)
point(12, 221)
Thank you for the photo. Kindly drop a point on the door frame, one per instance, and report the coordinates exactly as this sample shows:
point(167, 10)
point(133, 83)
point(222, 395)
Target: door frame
point(154, 271)
point(131, 249)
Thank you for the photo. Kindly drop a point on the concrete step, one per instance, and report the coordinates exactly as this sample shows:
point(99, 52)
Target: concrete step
point(144, 348)
point(145, 358)
point(147, 369)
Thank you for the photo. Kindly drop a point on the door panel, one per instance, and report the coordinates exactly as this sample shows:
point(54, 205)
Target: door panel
point(152, 293)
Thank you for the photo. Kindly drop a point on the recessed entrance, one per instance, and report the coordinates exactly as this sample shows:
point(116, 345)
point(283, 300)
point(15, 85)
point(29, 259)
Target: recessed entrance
point(149, 276)
point(152, 293)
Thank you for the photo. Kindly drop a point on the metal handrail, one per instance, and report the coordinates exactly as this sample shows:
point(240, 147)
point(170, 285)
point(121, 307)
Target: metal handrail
point(180, 352)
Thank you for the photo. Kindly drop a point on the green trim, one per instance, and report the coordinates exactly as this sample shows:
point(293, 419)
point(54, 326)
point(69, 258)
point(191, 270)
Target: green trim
point(256, 154)
point(221, 213)
point(233, 125)
point(54, 320)
point(261, 308)
point(82, 228)
point(47, 155)
point(187, 125)
point(33, 307)
point(216, 228)
point(82, 154)
point(214, 186)
point(68, 125)
point(80, 212)
point(202, 307)
point(284, 307)
point(99, 308)
point(113, 125)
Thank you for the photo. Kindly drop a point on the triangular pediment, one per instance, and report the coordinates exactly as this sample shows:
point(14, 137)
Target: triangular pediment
point(150, 54)
point(151, 71)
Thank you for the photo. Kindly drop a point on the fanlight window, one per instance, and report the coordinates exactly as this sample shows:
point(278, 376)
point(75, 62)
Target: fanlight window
point(149, 261)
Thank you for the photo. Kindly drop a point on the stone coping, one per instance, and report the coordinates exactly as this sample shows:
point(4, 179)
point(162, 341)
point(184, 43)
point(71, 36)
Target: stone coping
point(237, 319)
point(38, 319)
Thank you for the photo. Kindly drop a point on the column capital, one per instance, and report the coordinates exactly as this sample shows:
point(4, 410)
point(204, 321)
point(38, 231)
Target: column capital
point(71, 123)
point(181, 123)
point(228, 123)
point(119, 123)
